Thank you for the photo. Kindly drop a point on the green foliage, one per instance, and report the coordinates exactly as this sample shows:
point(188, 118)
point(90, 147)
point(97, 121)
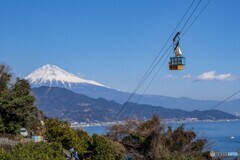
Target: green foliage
point(3, 155)
point(16, 103)
point(5, 77)
point(58, 131)
point(34, 151)
point(85, 138)
point(105, 149)
point(101, 147)
point(2, 126)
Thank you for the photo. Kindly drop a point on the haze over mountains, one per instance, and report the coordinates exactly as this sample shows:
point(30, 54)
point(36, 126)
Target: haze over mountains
point(54, 76)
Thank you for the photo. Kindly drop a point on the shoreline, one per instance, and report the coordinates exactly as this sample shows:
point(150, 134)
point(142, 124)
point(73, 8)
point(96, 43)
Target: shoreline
point(166, 121)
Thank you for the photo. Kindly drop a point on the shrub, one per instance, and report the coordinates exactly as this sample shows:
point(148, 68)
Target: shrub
point(149, 140)
point(34, 151)
point(61, 132)
point(106, 149)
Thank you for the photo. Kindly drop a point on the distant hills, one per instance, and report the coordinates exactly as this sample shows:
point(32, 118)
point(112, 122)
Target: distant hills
point(54, 76)
point(68, 105)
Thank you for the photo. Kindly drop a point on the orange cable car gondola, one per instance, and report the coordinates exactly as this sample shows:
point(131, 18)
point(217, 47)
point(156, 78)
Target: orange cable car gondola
point(178, 61)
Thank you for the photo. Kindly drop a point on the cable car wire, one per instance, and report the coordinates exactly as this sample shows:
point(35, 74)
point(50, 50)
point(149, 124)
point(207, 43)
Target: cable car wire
point(191, 15)
point(148, 73)
point(124, 105)
point(140, 96)
point(235, 93)
point(196, 17)
point(142, 80)
point(170, 52)
point(151, 68)
point(150, 82)
point(215, 106)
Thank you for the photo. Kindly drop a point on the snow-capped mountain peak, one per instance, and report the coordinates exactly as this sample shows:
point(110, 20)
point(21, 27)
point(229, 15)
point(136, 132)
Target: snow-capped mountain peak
point(51, 74)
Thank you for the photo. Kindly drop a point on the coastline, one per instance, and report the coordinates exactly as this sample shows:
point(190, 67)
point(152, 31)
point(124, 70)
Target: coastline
point(166, 121)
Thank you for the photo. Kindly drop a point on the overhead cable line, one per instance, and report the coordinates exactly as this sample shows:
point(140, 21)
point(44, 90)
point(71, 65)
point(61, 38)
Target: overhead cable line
point(196, 17)
point(149, 84)
point(140, 96)
point(191, 15)
point(154, 61)
point(151, 69)
point(147, 74)
point(152, 66)
point(170, 52)
point(155, 75)
point(225, 100)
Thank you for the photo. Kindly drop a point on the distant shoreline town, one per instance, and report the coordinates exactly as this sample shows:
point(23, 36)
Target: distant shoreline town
point(166, 121)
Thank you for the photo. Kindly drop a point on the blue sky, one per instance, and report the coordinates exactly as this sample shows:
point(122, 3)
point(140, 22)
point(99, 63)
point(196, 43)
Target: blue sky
point(114, 42)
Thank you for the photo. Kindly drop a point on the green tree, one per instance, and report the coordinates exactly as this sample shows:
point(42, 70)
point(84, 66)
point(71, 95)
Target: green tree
point(59, 131)
point(16, 103)
point(2, 126)
point(5, 77)
point(106, 149)
point(85, 138)
point(17, 106)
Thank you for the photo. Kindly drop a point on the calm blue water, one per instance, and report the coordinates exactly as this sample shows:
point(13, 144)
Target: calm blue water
point(218, 134)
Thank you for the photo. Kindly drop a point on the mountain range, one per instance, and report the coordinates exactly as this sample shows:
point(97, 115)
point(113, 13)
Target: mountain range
point(53, 76)
point(70, 106)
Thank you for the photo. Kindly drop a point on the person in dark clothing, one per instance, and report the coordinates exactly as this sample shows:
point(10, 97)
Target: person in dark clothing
point(75, 155)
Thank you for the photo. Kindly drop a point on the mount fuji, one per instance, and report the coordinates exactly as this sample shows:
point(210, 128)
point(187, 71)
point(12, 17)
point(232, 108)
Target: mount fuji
point(53, 76)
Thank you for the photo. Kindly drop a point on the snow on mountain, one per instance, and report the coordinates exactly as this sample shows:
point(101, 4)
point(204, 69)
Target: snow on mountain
point(51, 74)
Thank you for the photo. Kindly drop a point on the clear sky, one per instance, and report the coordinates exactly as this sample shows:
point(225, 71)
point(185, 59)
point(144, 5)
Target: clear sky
point(114, 42)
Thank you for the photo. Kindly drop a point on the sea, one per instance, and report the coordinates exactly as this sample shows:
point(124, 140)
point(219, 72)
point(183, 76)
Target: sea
point(222, 136)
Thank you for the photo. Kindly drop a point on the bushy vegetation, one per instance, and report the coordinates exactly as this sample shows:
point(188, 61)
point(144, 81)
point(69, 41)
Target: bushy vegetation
point(34, 151)
point(106, 149)
point(148, 140)
point(100, 147)
point(61, 132)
